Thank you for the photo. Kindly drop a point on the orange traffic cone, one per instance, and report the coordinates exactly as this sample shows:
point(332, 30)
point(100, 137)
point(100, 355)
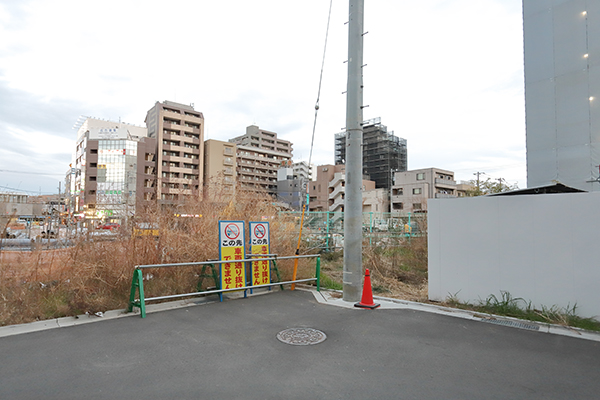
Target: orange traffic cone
point(367, 294)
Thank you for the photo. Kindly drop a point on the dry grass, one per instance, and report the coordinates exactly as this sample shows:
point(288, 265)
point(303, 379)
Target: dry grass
point(398, 270)
point(96, 276)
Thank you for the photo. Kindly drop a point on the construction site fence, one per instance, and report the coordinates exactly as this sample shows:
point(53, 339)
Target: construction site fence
point(324, 230)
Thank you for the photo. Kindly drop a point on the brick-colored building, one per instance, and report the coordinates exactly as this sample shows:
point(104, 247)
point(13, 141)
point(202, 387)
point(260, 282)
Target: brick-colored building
point(179, 133)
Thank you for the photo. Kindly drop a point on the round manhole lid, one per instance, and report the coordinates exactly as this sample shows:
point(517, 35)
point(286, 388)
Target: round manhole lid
point(301, 336)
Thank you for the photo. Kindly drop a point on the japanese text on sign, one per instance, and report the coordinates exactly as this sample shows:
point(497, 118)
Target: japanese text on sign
point(259, 244)
point(231, 247)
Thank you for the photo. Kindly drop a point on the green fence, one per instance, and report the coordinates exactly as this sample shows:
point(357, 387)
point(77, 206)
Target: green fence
point(325, 230)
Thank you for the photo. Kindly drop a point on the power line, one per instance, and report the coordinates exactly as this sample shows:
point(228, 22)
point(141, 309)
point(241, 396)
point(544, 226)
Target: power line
point(36, 192)
point(30, 173)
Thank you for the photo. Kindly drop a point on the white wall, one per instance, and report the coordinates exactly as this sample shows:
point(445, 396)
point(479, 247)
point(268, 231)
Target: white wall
point(542, 248)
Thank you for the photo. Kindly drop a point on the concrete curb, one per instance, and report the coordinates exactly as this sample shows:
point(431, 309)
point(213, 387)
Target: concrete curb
point(333, 298)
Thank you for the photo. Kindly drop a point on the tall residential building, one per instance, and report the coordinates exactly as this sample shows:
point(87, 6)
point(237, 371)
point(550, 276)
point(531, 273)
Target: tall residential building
point(219, 169)
point(562, 92)
point(179, 133)
point(259, 155)
point(383, 152)
point(112, 171)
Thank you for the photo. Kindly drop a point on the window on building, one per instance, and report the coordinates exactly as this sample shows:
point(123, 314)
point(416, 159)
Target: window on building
point(93, 151)
point(92, 178)
point(416, 206)
point(421, 176)
point(416, 191)
point(93, 165)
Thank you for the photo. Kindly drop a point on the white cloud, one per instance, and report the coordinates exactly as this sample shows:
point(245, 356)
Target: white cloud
point(446, 75)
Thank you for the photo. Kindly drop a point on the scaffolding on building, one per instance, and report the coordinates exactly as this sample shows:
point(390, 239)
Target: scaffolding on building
point(383, 152)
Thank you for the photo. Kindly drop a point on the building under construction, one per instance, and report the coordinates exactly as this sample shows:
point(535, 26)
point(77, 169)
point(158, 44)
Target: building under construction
point(382, 152)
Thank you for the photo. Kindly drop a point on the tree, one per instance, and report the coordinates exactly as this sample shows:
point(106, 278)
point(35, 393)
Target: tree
point(490, 186)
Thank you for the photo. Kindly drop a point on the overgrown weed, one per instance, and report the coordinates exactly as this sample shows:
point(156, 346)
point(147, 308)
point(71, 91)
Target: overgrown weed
point(517, 307)
point(398, 268)
point(96, 276)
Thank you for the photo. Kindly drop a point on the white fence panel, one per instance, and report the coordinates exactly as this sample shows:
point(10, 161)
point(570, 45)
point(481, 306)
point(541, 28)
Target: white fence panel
point(542, 248)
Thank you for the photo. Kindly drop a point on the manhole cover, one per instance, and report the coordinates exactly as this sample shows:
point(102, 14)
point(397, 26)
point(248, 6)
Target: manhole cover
point(301, 336)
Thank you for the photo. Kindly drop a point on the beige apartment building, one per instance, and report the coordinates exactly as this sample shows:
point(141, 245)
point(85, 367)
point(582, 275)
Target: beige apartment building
point(411, 189)
point(219, 169)
point(328, 191)
point(264, 140)
point(179, 132)
point(319, 188)
point(259, 154)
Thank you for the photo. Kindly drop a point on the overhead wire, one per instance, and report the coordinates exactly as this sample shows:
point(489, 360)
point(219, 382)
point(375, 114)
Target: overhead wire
point(312, 141)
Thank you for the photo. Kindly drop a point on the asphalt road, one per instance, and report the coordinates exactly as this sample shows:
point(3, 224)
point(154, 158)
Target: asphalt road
point(230, 350)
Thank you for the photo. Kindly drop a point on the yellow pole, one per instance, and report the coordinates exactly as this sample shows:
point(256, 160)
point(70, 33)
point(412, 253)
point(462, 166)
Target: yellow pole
point(298, 247)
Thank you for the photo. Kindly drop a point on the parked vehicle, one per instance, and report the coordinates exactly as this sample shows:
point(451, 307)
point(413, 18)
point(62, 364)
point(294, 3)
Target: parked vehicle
point(110, 226)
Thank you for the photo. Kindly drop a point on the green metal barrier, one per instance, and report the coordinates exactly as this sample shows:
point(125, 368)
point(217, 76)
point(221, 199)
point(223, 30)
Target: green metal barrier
point(137, 282)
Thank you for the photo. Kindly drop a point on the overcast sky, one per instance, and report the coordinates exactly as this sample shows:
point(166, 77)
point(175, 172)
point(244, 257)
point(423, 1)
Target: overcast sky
point(447, 75)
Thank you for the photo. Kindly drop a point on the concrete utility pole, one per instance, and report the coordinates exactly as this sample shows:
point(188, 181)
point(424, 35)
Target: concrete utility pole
point(352, 278)
point(478, 173)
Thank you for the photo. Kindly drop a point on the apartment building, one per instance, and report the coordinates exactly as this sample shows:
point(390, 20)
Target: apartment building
point(219, 169)
point(302, 170)
point(291, 188)
point(112, 170)
point(376, 201)
point(179, 133)
point(411, 189)
point(337, 191)
point(328, 191)
point(319, 188)
point(383, 152)
point(264, 140)
point(259, 154)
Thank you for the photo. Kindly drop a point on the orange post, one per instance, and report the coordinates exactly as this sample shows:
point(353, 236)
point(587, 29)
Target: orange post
point(298, 248)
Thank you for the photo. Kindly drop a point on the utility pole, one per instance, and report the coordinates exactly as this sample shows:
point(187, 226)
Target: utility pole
point(478, 173)
point(352, 277)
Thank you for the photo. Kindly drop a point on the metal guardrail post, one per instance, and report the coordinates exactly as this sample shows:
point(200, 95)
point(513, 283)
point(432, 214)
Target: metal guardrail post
point(137, 283)
point(318, 273)
point(274, 261)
